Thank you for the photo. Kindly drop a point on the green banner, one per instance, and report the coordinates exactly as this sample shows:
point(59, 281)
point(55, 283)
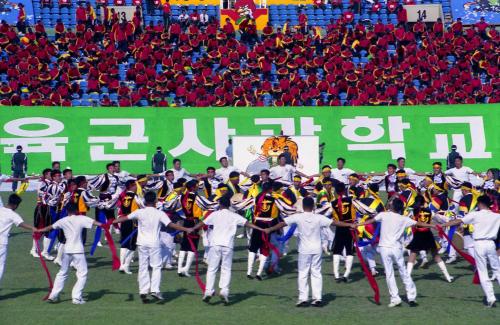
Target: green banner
point(85, 139)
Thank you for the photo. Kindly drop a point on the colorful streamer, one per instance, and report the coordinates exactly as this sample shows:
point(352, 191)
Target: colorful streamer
point(36, 238)
point(366, 270)
point(466, 256)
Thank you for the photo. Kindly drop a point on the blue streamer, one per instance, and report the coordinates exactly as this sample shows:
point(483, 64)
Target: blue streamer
point(362, 243)
point(98, 232)
point(129, 237)
point(288, 234)
point(451, 233)
point(175, 233)
point(53, 233)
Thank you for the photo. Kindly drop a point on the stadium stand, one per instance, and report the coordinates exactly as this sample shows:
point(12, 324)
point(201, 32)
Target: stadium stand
point(341, 58)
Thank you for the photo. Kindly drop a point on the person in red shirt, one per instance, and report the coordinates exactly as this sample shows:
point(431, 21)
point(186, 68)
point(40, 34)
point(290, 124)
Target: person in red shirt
point(336, 3)
point(167, 12)
point(348, 16)
point(21, 19)
point(437, 28)
point(319, 4)
point(376, 6)
point(303, 22)
point(481, 26)
point(355, 6)
point(229, 29)
point(81, 14)
point(402, 15)
point(457, 27)
point(194, 17)
point(392, 6)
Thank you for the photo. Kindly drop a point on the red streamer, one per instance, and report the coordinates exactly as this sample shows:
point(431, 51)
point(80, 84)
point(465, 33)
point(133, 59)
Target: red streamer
point(200, 282)
point(111, 245)
point(36, 238)
point(265, 238)
point(466, 256)
point(366, 270)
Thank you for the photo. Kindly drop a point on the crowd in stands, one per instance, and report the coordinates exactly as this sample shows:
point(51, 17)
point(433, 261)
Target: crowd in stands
point(190, 62)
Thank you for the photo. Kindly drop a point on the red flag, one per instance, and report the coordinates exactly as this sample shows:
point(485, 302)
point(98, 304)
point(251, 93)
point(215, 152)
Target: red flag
point(466, 256)
point(366, 270)
point(111, 245)
point(36, 237)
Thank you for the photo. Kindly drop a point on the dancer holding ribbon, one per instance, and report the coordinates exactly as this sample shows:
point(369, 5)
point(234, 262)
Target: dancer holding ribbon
point(486, 225)
point(393, 225)
point(223, 226)
point(9, 217)
point(309, 227)
point(149, 221)
point(73, 254)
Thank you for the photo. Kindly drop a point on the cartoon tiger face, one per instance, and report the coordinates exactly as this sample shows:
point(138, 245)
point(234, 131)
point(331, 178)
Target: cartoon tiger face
point(274, 146)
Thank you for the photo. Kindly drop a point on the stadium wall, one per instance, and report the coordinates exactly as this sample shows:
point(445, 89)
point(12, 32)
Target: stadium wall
point(368, 137)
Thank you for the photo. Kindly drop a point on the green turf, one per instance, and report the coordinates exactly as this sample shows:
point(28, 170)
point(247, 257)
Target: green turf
point(112, 297)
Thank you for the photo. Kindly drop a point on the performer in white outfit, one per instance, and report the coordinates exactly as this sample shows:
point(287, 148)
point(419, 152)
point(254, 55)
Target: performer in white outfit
point(308, 232)
point(393, 225)
point(462, 174)
point(73, 254)
point(223, 225)
point(486, 224)
point(8, 218)
point(148, 244)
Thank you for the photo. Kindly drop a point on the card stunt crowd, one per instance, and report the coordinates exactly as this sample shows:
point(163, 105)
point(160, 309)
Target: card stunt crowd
point(338, 212)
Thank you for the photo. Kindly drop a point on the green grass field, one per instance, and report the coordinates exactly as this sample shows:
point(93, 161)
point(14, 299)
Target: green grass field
point(112, 297)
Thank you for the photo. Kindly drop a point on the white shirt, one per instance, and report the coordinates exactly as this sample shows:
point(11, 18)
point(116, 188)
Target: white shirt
point(149, 220)
point(3, 178)
point(7, 219)
point(308, 231)
point(462, 174)
point(284, 173)
point(181, 173)
point(203, 18)
point(72, 227)
point(485, 222)
point(392, 229)
point(342, 174)
point(224, 223)
point(224, 172)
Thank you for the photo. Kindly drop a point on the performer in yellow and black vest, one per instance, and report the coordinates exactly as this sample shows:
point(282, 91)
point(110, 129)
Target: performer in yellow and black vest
point(356, 191)
point(128, 202)
point(438, 177)
point(233, 184)
point(324, 196)
point(69, 188)
point(343, 210)
point(423, 239)
point(41, 215)
point(467, 204)
point(192, 213)
point(265, 214)
point(366, 233)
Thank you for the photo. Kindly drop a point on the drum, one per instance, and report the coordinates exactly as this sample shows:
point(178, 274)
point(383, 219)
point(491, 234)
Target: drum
point(236, 198)
point(458, 240)
point(298, 205)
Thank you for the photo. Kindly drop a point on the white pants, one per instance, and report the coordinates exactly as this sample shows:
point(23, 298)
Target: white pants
point(327, 237)
point(485, 251)
point(457, 196)
point(167, 246)
point(80, 264)
point(310, 264)
point(369, 252)
point(149, 256)
point(389, 257)
point(3, 258)
point(223, 256)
